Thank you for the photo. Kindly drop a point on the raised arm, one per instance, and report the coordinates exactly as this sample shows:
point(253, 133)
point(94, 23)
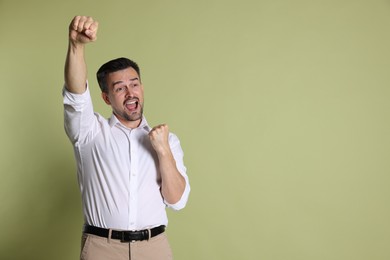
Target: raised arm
point(82, 30)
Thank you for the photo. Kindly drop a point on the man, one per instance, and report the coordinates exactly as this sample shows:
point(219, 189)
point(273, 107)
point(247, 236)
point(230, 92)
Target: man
point(128, 172)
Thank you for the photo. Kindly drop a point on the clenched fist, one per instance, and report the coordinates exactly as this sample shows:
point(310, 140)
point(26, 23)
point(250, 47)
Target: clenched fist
point(159, 139)
point(82, 30)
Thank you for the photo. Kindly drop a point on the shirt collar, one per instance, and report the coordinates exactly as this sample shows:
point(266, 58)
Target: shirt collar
point(114, 121)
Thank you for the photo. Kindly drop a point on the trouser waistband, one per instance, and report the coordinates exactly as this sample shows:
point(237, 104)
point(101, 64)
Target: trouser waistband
point(125, 236)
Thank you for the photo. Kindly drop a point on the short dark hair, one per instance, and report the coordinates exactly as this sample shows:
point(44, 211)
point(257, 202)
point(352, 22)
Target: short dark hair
point(112, 66)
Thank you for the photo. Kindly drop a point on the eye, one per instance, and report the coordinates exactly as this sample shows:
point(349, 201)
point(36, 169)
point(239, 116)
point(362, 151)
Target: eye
point(136, 84)
point(119, 89)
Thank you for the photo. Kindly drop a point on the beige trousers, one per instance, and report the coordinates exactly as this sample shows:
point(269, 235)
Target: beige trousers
point(100, 248)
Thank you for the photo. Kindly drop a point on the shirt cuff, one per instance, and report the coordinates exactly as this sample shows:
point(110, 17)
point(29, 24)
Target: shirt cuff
point(183, 200)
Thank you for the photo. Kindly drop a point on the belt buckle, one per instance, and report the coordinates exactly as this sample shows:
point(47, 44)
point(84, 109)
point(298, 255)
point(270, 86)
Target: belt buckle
point(126, 237)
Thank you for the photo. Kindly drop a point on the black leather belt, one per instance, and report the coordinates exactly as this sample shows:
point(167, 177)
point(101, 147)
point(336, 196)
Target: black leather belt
point(125, 236)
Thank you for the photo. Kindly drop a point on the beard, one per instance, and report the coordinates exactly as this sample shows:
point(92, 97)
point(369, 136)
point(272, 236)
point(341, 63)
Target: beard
point(133, 116)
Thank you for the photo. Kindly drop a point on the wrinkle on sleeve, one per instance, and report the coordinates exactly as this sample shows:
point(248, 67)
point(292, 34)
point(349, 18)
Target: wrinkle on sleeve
point(79, 118)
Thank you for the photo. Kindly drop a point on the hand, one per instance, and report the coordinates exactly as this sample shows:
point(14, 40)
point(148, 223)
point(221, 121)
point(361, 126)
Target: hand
point(159, 138)
point(82, 30)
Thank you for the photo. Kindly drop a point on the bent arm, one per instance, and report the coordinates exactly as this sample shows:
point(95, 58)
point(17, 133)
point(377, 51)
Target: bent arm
point(173, 184)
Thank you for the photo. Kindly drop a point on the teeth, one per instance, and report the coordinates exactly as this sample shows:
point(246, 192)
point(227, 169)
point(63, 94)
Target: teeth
point(130, 102)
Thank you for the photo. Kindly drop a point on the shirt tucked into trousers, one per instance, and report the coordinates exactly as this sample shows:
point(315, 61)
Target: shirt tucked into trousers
point(119, 180)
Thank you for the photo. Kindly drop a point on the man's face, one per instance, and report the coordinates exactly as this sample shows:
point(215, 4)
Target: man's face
point(125, 96)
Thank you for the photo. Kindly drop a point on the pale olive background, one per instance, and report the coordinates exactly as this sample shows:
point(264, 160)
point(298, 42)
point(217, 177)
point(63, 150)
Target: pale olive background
point(282, 108)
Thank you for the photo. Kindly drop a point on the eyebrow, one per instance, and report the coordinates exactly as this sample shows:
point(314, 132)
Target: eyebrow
point(120, 81)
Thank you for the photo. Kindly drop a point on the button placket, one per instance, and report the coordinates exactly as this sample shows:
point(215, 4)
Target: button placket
point(133, 180)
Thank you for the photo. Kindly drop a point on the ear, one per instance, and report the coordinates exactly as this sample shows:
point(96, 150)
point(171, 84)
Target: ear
point(105, 98)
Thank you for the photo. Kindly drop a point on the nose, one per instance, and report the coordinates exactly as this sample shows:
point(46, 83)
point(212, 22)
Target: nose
point(129, 92)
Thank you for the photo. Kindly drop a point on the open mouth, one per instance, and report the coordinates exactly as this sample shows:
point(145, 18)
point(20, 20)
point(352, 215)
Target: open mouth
point(131, 105)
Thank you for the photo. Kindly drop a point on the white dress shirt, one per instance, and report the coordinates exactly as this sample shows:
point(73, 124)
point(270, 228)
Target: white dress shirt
point(117, 168)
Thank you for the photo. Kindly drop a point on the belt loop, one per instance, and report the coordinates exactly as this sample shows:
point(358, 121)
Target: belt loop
point(150, 234)
point(109, 236)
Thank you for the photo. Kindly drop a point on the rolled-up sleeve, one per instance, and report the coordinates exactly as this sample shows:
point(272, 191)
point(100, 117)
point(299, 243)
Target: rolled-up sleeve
point(178, 154)
point(79, 118)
